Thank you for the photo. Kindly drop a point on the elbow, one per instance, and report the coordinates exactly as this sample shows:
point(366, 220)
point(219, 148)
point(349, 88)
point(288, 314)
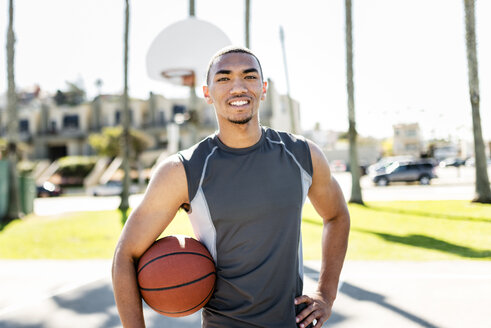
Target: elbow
point(121, 259)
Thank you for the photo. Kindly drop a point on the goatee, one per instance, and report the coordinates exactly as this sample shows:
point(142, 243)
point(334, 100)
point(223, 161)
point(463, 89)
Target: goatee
point(243, 121)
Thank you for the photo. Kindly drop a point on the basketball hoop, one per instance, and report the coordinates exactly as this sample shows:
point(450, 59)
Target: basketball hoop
point(179, 76)
point(180, 53)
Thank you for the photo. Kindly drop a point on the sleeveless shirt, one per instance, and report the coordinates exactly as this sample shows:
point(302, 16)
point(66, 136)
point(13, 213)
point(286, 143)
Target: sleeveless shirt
point(245, 207)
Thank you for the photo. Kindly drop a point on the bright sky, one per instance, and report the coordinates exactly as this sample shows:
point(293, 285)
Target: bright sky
point(409, 56)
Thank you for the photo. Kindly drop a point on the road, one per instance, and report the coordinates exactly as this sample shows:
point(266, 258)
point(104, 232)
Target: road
point(452, 184)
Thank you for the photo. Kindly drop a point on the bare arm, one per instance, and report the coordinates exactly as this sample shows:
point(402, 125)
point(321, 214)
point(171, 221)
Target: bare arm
point(328, 200)
point(166, 192)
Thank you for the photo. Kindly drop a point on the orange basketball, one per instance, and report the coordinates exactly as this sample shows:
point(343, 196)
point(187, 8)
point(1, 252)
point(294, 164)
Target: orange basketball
point(176, 276)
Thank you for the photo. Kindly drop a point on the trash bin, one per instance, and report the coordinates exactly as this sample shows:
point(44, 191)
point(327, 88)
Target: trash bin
point(27, 188)
point(4, 188)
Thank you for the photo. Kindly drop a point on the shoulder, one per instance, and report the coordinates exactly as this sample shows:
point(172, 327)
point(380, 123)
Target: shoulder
point(319, 160)
point(169, 171)
point(286, 137)
point(199, 150)
point(297, 145)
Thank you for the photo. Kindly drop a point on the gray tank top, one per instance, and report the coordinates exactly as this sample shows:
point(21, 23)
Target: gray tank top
point(246, 207)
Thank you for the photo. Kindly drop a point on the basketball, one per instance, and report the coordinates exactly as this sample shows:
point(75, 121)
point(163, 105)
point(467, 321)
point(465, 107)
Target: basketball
point(176, 276)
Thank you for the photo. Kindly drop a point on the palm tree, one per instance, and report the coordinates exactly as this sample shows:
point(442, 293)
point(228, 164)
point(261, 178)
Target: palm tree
point(353, 152)
point(192, 8)
point(14, 209)
point(483, 192)
point(247, 25)
point(124, 206)
point(293, 125)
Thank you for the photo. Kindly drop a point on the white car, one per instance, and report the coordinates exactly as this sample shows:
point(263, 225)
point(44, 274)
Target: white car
point(111, 188)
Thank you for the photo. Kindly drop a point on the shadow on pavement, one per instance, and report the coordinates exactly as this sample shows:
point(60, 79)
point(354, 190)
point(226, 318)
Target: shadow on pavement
point(335, 316)
point(361, 294)
point(432, 243)
point(96, 299)
point(93, 306)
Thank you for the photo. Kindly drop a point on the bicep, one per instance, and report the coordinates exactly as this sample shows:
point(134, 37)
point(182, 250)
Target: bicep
point(165, 194)
point(324, 193)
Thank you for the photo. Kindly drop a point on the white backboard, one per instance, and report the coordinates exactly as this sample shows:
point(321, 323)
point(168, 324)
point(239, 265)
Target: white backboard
point(184, 47)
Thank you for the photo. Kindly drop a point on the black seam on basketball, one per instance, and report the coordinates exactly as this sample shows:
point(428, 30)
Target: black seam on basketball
point(194, 307)
point(176, 253)
point(177, 286)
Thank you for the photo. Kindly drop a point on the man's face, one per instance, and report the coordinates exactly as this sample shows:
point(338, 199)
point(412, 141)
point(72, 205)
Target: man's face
point(235, 88)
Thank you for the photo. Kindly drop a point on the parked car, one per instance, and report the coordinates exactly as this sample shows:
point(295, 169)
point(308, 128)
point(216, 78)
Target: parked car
point(406, 172)
point(48, 189)
point(338, 166)
point(452, 161)
point(472, 161)
point(382, 165)
point(111, 188)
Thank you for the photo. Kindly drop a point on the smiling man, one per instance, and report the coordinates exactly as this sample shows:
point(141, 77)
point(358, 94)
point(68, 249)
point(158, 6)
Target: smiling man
point(244, 188)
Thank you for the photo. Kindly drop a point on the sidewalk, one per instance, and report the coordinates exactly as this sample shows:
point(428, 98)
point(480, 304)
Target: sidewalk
point(59, 294)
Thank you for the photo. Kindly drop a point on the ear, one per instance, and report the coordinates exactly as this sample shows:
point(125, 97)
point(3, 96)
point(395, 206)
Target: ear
point(206, 94)
point(265, 87)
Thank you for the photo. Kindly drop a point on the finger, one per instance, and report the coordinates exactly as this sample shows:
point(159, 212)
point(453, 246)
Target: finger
point(305, 312)
point(308, 320)
point(321, 320)
point(303, 299)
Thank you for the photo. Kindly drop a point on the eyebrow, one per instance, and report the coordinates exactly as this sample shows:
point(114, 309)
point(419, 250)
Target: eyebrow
point(250, 70)
point(223, 71)
point(246, 71)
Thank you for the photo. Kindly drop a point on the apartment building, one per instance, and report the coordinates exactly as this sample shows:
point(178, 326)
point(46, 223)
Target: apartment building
point(407, 139)
point(55, 130)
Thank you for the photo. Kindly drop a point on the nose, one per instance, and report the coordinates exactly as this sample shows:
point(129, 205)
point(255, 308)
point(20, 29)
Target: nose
point(238, 87)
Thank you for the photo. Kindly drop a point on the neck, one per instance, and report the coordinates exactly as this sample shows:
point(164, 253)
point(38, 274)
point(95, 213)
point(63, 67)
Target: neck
point(240, 135)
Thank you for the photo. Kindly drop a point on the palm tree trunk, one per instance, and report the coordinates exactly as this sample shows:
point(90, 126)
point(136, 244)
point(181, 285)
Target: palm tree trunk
point(293, 125)
point(124, 206)
point(14, 209)
point(356, 196)
point(483, 192)
point(192, 8)
point(247, 21)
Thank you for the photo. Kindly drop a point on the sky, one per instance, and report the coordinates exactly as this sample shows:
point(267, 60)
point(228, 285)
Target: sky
point(409, 56)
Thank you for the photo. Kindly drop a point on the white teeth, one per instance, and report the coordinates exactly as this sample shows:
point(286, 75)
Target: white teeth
point(238, 103)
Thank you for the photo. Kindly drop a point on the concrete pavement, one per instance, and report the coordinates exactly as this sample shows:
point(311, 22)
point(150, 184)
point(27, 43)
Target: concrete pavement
point(453, 294)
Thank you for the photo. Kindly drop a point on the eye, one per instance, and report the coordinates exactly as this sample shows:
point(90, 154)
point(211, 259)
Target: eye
point(251, 77)
point(221, 79)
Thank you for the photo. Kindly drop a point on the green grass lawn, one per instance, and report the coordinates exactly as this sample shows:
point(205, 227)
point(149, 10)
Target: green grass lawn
point(404, 230)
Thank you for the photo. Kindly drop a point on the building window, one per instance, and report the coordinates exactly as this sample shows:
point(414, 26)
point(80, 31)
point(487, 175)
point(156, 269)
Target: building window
point(70, 122)
point(411, 147)
point(178, 109)
point(24, 126)
point(52, 127)
point(118, 119)
point(161, 120)
point(411, 133)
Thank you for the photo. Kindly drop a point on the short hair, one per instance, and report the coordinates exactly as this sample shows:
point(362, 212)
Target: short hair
point(229, 50)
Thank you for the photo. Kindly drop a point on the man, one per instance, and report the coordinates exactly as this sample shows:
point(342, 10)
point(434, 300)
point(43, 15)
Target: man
point(244, 189)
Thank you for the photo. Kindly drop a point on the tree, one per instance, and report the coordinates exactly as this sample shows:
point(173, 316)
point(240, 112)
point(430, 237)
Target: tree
point(14, 209)
point(247, 21)
point(483, 191)
point(108, 142)
point(124, 206)
point(356, 196)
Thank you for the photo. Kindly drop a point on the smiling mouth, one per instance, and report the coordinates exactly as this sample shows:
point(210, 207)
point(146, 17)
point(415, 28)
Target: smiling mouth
point(239, 103)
